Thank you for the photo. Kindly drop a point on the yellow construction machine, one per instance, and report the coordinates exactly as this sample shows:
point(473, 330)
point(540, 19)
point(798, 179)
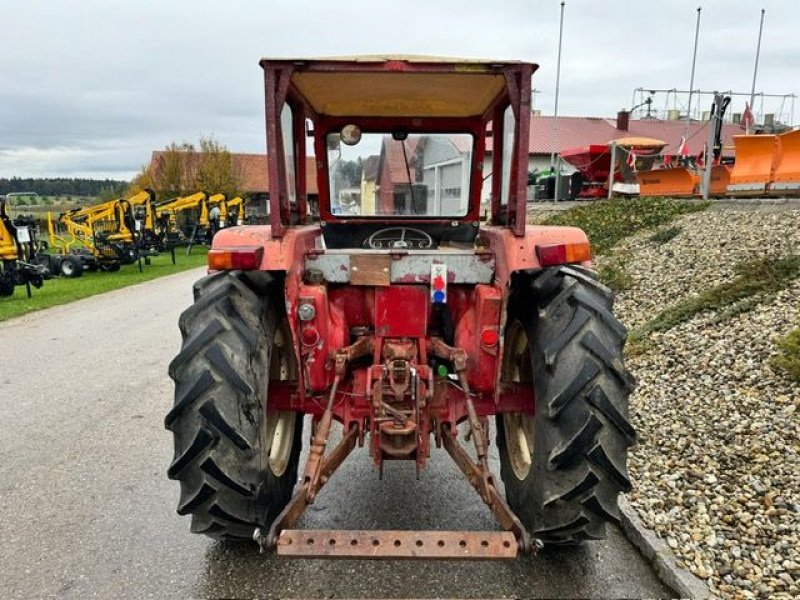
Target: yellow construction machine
point(197, 217)
point(148, 236)
point(17, 253)
point(181, 218)
point(103, 236)
point(231, 211)
point(104, 232)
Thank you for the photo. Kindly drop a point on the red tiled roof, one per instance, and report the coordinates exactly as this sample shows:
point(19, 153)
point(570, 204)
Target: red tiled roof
point(462, 143)
point(394, 161)
point(255, 173)
point(571, 132)
point(253, 169)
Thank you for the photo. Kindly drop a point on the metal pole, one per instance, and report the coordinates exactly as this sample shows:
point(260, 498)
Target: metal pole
point(758, 54)
point(694, 62)
point(611, 170)
point(709, 155)
point(553, 136)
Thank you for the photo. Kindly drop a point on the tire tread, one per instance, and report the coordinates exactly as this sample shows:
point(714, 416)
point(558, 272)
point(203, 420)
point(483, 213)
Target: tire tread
point(220, 374)
point(582, 426)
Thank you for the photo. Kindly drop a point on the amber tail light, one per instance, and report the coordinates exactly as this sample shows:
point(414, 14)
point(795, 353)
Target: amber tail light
point(561, 254)
point(240, 258)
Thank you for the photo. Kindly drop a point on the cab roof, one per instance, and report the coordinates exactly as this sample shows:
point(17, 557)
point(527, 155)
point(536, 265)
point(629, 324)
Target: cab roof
point(397, 85)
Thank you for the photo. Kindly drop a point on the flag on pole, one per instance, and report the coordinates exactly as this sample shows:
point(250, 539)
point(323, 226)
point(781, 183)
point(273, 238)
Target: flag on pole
point(632, 159)
point(683, 149)
point(748, 120)
point(668, 160)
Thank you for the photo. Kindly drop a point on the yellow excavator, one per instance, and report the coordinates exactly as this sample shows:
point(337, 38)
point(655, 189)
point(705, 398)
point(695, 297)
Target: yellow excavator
point(17, 253)
point(197, 217)
point(102, 236)
point(148, 236)
point(168, 211)
point(231, 212)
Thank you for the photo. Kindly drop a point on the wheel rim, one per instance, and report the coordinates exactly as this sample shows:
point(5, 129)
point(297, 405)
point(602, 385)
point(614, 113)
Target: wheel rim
point(518, 428)
point(67, 268)
point(280, 425)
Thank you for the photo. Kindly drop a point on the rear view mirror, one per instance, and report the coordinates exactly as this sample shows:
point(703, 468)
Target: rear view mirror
point(351, 135)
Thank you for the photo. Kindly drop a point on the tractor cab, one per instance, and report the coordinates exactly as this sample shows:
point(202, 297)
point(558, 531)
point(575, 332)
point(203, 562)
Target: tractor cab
point(399, 141)
point(402, 167)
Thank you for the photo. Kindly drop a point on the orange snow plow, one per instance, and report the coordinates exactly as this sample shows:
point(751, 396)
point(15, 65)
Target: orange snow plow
point(786, 170)
point(755, 160)
point(675, 182)
point(720, 180)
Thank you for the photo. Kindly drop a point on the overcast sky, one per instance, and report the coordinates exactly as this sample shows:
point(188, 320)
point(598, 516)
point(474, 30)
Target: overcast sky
point(91, 87)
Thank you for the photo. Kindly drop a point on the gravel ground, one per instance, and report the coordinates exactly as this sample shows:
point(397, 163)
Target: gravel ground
point(717, 469)
point(710, 244)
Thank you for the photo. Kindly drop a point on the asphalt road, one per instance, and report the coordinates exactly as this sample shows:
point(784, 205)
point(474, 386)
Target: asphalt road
point(87, 510)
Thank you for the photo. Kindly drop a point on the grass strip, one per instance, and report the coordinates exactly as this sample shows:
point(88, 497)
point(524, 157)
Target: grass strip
point(61, 290)
point(608, 222)
point(614, 272)
point(789, 358)
point(662, 236)
point(755, 282)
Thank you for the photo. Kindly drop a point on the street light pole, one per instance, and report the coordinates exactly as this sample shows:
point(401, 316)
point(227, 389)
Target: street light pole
point(758, 55)
point(554, 138)
point(694, 62)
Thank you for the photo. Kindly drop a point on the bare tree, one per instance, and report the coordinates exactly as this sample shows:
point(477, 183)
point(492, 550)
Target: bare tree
point(217, 172)
point(182, 169)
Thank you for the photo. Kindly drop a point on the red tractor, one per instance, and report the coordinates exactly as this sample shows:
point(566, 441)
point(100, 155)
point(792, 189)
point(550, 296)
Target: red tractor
point(403, 311)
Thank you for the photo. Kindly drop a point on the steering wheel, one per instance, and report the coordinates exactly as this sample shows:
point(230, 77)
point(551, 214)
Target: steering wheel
point(399, 238)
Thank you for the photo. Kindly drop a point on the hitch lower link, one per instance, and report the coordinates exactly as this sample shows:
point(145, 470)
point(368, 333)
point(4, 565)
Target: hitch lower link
point(319, 467)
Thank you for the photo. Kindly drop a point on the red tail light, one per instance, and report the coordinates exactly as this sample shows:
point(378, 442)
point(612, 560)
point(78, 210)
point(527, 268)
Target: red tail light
point(561, 254)
point(240, 258)
point(490, 337)
point(309, 336)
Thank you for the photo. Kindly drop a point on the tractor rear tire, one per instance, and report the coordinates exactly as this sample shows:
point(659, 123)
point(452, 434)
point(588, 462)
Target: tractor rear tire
point(564, 467)
point(71, 266)
point(236, 463)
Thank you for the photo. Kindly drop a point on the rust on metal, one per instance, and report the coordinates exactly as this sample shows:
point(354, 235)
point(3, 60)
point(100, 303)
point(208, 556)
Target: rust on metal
point(370, 269)
point(412, 267)
point(453, 545)
point(298, 503)
point(484, 482)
